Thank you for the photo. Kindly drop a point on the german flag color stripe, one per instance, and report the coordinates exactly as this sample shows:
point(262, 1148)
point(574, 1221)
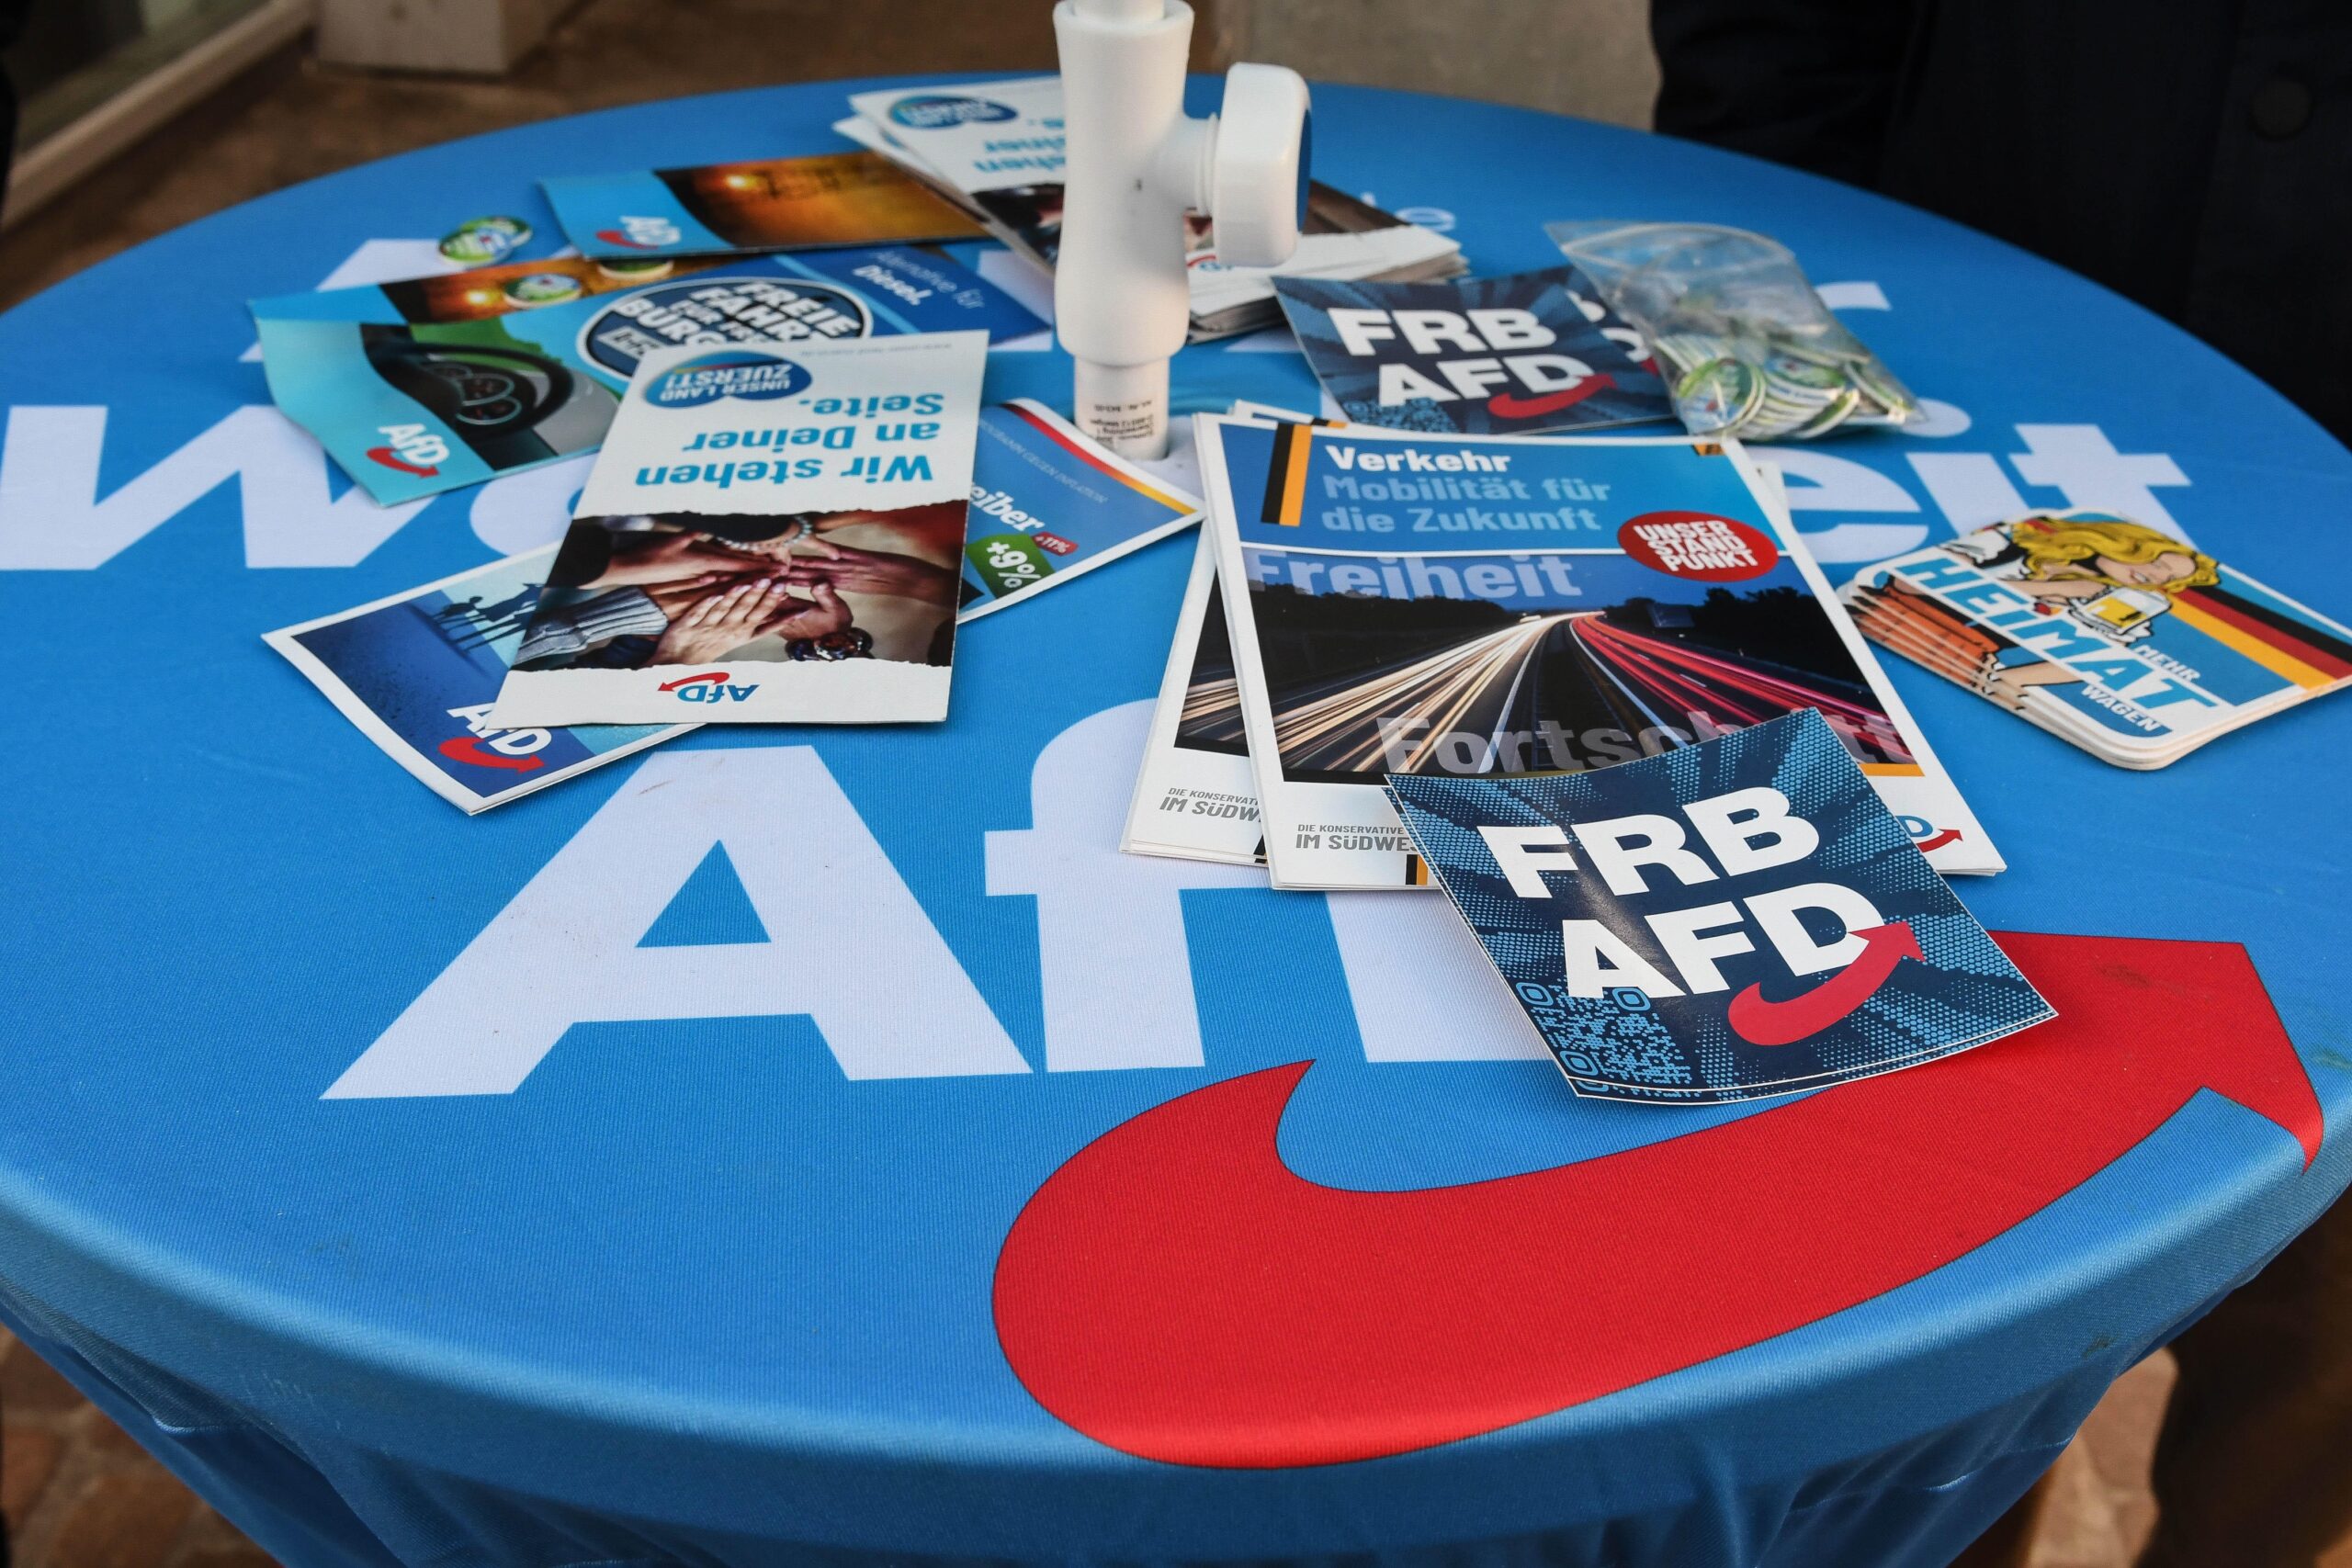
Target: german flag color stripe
point(1046, 429)
point(2316, 647)
point(1286, 475)
point(2227, 620)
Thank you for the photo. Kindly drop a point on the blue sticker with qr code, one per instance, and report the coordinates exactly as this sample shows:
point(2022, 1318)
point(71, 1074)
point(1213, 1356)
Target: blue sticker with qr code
point(1722, 922)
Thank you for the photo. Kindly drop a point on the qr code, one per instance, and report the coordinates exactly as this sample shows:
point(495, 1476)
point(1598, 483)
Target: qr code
point(1417, 414)
point(1616, 1037)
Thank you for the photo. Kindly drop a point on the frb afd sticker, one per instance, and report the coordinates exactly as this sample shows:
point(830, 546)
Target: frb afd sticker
point(1733, 920)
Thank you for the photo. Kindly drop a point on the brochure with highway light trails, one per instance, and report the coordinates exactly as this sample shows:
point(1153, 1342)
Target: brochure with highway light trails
point(1409, 603)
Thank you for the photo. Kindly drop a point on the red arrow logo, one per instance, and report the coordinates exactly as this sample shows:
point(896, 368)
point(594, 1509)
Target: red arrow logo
point(391, 459)
point(466, 748)
point(1760, 1022)
point(1511, 405)
point(714, 675)
point(615, 237)
point(1175, 1292)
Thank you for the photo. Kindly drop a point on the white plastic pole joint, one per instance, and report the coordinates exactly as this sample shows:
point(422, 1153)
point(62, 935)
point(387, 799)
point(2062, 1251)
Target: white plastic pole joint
point(1137, 163)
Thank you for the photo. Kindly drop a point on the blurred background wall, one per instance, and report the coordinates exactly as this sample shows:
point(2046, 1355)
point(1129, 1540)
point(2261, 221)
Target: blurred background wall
point(1582, 57)
point(143, 114)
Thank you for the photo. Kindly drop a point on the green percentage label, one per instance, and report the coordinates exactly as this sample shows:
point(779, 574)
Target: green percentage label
point(1007, 563)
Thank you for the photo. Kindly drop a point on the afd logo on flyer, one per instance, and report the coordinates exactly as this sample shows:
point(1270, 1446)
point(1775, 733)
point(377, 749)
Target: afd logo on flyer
point(708, 377)
point(1734, 920)
point(409, 449)
point(642, 234)
point(710, 686)
point(938, 111)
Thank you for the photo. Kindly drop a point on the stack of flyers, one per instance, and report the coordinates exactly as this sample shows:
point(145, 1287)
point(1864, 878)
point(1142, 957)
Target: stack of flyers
point(418, 673)
point(1195, 796)
point(432, 384)
point(1740, 920)
point(770, 204)
point(771, 535)
point(1513, 355)
point(996, 148)
point(1405, 604)
point(1048, 502)
point(2112, 634)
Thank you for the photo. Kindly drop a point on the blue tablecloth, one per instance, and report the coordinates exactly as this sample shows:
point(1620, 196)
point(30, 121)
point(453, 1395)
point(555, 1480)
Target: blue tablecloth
point(798, 1022)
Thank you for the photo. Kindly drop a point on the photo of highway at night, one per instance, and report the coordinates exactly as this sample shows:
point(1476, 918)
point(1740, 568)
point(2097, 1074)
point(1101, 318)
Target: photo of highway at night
point(1364, 684)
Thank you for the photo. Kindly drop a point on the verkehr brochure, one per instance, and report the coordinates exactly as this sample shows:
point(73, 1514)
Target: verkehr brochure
point(433, 384)
point(1739, 919)
point(418, 671)
point(771, 535)
point(830, 198)
point(1407, 604)
point(996, 147)
point(1048, 504)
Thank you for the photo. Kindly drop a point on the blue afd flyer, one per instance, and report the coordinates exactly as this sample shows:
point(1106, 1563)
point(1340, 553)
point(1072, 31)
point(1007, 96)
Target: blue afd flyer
point(1048, 504)
point(1513, 355)
point(1406, 603)
point(437, 383)
point(418, 671)
point(1723, 923)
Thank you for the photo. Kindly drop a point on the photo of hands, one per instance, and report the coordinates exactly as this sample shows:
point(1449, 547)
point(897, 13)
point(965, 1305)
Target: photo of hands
point(640, 592)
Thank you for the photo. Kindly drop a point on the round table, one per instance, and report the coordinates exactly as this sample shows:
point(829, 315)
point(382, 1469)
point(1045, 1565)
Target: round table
point(801, 1019)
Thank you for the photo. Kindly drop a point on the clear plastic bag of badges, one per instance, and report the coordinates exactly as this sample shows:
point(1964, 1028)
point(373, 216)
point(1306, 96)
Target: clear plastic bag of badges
point(1746, 346)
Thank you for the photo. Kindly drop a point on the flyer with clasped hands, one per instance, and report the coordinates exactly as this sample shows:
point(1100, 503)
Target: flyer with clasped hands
point(1736, 919)
point(769, 536)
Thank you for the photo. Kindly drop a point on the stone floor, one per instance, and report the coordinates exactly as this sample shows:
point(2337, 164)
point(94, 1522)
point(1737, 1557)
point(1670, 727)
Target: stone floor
point(76, 1491)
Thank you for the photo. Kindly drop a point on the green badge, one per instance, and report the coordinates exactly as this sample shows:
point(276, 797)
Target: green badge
point(480, 242)
point(1717, 395)
point(543, 288)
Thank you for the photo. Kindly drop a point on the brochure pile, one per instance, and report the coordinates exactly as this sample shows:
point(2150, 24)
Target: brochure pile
point(996, 148)
point(833, 198)
point(1405, 604)
point(1666, 925)
point(1194, 797)
point(418, 673)
point(1514, 355)
point(435, 383)
point(2108, 633)
point(771, 535)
